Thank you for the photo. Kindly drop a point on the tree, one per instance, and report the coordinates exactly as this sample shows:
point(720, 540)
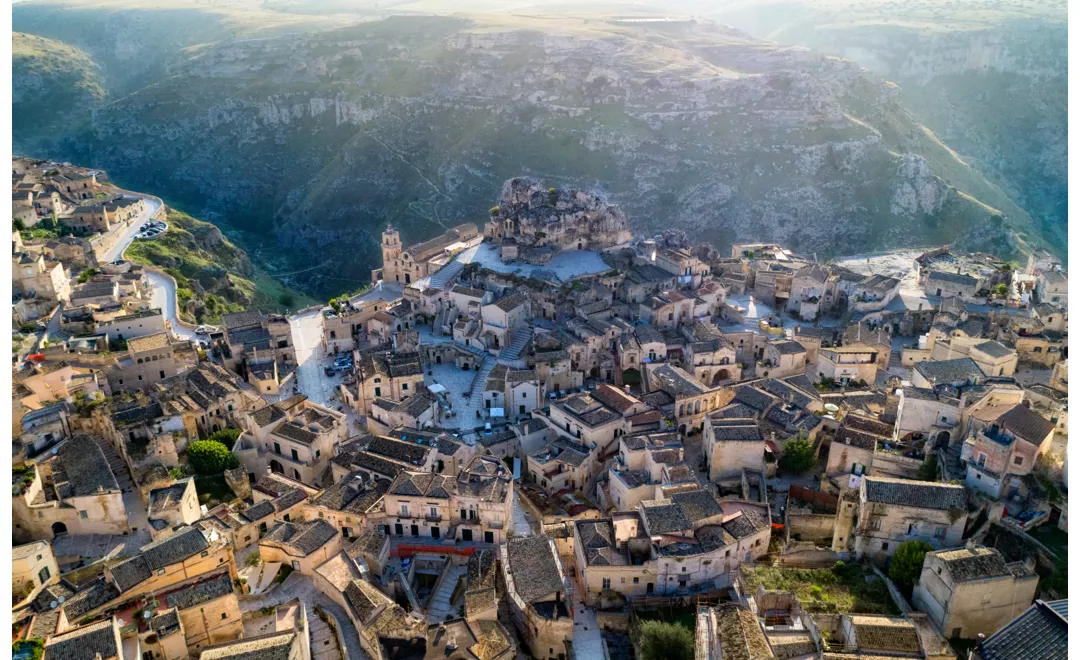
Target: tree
point(17, 223)
point(226, 437)
point(666, 641)
point(928, 471)
point(210, 457)
point(798, 455)
point(906, 564)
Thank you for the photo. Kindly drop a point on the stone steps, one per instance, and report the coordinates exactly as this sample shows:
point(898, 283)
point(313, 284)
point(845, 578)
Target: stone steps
point(439, 607)
point(445, 274)
point(476, 400)
point(517, 344)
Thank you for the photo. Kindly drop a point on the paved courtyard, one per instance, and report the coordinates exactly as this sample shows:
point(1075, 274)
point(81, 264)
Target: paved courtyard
point(564, 266)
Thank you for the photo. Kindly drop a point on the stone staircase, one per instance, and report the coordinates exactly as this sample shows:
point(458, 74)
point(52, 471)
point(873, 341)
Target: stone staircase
point(951, 466)
point(440, 321)
point(439, 607)
point(442, 278)
point(894, 360)
point(517, 344)
point(116, 464)
point(476, 399)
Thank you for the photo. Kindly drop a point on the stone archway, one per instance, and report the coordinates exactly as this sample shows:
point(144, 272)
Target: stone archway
point(276, 467)
point(721, 376)
point(59, 528)
point(943, 439)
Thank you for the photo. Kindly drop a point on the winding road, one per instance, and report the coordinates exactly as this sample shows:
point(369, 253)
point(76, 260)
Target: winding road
point(162, 288)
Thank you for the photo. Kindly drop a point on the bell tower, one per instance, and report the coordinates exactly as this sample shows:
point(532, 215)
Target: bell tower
point(391, 253)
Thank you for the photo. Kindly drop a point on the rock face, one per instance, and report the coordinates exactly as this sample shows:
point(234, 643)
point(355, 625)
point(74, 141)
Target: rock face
point(304, 146)
point(560, 218)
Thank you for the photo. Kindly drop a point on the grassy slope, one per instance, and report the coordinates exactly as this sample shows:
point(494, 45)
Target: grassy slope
point(212, 271)
point(53, 83)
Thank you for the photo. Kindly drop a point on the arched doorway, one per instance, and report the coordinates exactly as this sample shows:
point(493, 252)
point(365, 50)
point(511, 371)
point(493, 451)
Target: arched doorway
point(943, 439)
point(631, 377)
point(721, 376)
point(59, 528)
point(276, 468)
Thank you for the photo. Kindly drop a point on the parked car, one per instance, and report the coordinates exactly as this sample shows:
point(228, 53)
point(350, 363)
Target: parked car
point(330, 371)
point(202, 330)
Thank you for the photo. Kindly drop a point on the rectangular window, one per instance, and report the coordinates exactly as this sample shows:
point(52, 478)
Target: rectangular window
point(1019, 460)
point(295, 456)
point(378, 391)
point(635, 580)
point(939, 533)
point(404, 386)
point(607, 583)
point(277, 449)
point(404, 510)
point(83, 515)
point(912, 530)
point(43, 575)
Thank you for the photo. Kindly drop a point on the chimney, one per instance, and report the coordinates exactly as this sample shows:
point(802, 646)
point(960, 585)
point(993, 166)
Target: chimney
point(626, 388)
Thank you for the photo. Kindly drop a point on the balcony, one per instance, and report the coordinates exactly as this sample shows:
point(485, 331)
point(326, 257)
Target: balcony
point(433, 517)
point(498, 524)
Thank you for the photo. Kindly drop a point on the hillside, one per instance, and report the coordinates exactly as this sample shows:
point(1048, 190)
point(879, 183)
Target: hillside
point(989, 77)
point(305, 141)
point(213, 276)
point(54, 85)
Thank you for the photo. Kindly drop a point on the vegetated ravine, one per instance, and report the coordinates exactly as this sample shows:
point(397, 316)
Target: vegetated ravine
point(304, 140)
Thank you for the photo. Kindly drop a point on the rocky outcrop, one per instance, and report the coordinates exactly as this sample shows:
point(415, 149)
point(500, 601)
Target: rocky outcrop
point(562, 218)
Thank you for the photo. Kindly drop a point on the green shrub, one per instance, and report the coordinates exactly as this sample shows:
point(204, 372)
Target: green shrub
point(797, 456)
point(666, 641)
point(226, 437)
point(906, 564)
point(210, 457)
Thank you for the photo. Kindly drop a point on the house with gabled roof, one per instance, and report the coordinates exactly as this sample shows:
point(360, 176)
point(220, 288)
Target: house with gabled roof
point(1002, 446)
point(303, 545)
point(537, 593)
point(72, 491)
point(874, 520)
point(971, 591)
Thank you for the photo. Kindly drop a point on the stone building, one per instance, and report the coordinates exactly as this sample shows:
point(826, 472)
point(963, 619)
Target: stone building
point(34, 277)
point(409, 265)
point(887, 512)
point(973, 591)
point(537, 592)
point(72, 492)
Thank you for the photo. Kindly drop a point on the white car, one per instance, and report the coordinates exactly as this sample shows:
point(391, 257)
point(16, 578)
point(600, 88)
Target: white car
point(202, 330)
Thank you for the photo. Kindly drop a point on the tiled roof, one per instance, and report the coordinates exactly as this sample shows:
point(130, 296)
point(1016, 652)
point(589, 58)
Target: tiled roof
point(163, 552)
point(532, 564)
point(736, 433)
point(664, 517)
point(422, 484)
point(364, 599)
point(919, 494)
point(166, 623)
point(202, 592)
point(305, 537)
point(885, 633)
point(994, 349)
point(148, 342)
point(1040, 633)
point(272, 646)
point(749, 523)
point(96, 640)
point(1027, 424)
point(81, 469)
point(967, 564)
point(788, 347)
point(697, 505)
point(949, 371)
point(234, 320)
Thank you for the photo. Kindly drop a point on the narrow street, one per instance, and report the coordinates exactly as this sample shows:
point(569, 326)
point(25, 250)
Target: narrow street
point(307, 336)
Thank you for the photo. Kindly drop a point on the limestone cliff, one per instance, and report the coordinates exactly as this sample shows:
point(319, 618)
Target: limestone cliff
point(308, 143)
